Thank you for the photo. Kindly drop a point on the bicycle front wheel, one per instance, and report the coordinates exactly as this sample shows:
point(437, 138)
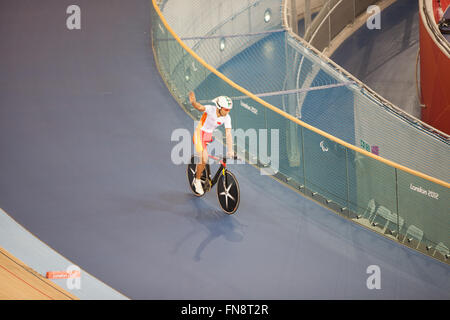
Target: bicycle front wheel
point(228, 192)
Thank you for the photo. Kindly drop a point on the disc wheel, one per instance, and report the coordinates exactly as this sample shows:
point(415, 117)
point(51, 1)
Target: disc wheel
point(190, 173)
point(228, 192)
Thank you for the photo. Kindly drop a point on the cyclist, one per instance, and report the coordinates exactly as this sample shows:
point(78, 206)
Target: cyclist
point(213, 116)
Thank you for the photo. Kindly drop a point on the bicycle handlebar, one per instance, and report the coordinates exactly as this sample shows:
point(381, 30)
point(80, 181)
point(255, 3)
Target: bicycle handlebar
point(224, 159)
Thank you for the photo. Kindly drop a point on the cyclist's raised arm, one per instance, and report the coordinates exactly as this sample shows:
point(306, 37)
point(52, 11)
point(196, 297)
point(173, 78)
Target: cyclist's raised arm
point(229, 140)
point(194, 102)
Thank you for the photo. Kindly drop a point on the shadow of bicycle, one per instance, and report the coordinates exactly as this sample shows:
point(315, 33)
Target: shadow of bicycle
point(215, 222)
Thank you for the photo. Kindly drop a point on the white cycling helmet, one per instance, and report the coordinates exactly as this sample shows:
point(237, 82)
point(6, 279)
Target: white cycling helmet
point(223, 102)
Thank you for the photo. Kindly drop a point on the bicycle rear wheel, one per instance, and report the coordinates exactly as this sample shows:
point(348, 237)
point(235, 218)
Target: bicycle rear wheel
point(228, 192)
point(190, 173)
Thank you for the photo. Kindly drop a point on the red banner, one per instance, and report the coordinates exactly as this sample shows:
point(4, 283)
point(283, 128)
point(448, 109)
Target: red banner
point(63, 275)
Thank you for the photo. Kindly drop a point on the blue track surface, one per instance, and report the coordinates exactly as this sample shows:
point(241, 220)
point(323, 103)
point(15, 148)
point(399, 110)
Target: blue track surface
point(85, 128)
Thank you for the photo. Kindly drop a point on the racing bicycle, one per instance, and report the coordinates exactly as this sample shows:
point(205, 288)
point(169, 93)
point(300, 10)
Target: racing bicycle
point(228, 193)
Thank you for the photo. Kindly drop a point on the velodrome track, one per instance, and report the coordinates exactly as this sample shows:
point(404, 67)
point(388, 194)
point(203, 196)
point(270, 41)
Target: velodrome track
point(85, 139)
point(385, 59)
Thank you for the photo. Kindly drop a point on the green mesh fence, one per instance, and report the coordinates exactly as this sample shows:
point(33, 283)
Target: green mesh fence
point(245, 41)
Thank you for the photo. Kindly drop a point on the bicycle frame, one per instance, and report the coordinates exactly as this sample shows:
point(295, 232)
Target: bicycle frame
point(222, 170)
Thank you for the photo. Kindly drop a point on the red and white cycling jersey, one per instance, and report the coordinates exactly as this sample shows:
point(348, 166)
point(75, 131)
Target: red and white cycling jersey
point(210, 121)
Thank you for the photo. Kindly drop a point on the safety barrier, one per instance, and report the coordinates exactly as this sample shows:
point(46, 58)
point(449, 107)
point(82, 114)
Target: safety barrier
point(324, 124)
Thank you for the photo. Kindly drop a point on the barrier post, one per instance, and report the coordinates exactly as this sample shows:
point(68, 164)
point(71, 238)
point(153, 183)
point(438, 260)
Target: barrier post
point(294, 24)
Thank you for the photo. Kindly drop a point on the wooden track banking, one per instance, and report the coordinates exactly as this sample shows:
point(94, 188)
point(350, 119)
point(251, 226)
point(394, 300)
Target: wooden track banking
point(20, 282)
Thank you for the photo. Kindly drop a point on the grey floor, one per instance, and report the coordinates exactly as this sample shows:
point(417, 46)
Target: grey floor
point(85, 140)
